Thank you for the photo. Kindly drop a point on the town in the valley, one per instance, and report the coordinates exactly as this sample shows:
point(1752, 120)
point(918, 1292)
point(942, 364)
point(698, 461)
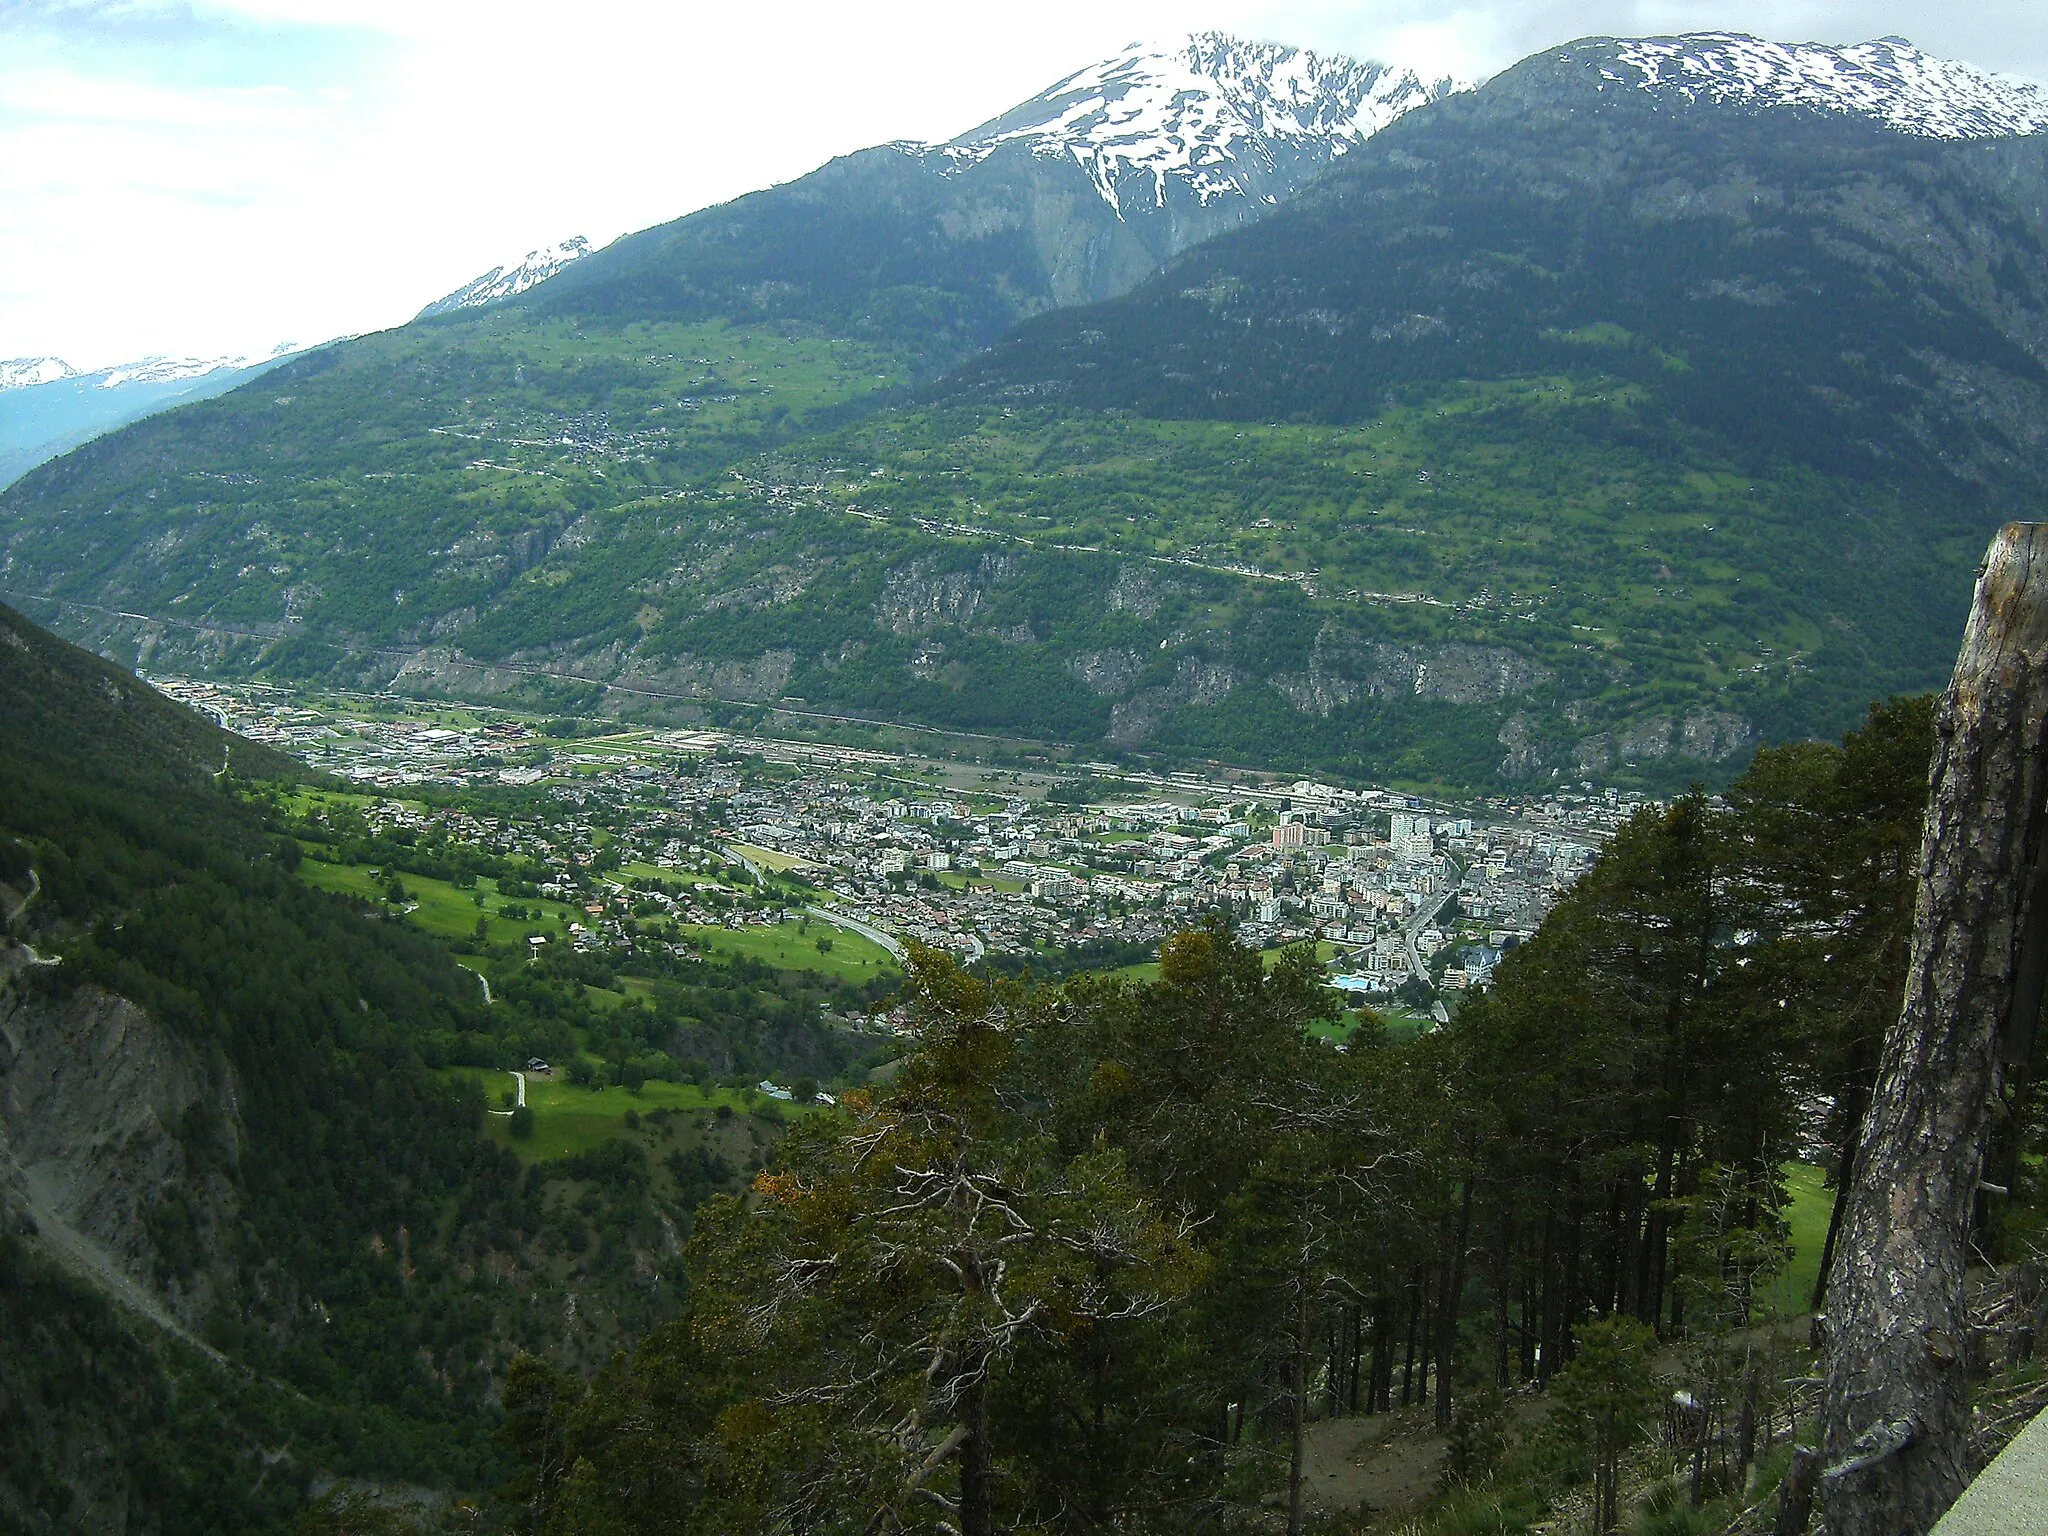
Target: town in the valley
point(665, 836)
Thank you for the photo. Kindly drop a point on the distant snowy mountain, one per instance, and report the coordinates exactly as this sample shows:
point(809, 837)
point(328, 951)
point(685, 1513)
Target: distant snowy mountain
point(510, 278)
point(176, 370)
point(48, 407)
point(1216, 116)
point(26, 372)
point(1888, 81)
point(33, 372)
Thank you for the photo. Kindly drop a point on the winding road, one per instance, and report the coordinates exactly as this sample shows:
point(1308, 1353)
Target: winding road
point(35, 885)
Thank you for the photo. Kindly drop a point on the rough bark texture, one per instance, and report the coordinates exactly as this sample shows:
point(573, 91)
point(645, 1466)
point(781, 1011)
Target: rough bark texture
point(1795, 1493)
point(1897, 1323)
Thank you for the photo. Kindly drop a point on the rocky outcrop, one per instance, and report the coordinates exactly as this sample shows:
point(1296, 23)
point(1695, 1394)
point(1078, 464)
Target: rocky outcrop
point(117, 1142)
point(1110, 672)
point(1705, 736)
point(1524, 748)
point(752, 678)
point(918, 596)
point(1138, 592)
point(1343, 669)
point(1196, 681)
point(771, 588)
point(1714, 736)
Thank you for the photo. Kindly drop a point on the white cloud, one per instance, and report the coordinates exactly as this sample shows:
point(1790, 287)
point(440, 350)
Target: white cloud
point(218, 178)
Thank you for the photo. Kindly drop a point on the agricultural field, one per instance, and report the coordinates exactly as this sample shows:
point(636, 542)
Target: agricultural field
point(568, 1119)
point(769, 859)
point(441, 909)
point(787, 947)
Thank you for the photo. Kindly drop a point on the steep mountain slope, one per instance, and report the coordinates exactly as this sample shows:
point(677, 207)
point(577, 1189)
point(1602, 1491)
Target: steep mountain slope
point(186, 1036)
point(1654, 399)
point(26, 372)
point(1766, 286)
point(1784, 267)
point(248, 1242)
point(66, 711)
point(1889, 81)
point(393, 491)
point(1073, 196)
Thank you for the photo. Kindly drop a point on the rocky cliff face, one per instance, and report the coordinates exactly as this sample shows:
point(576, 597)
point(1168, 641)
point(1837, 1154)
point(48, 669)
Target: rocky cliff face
point(1343, 669)
point(116, 1144)
point(918, 597)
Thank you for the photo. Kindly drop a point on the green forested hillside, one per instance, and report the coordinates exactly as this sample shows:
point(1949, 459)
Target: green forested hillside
point(1816, 290)
point(1814, 341)
point(1554, 433)
point(883, 245)
point(253, 1235)
point(374, 493)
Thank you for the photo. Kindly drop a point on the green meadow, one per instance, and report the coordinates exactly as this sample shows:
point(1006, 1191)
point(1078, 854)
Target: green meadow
point(568, 1119)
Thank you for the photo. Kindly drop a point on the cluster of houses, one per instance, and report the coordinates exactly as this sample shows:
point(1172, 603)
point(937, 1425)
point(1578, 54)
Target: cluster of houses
point(970, 860)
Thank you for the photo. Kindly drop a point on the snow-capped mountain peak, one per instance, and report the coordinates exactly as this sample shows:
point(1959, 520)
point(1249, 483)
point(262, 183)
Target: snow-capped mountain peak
point(1888, 81)
point(511, 277)
point(26, 372)
point(1214, 114)
point(171, 370)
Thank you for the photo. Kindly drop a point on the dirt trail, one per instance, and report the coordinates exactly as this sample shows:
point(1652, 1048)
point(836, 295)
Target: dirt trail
point(1385, 1462)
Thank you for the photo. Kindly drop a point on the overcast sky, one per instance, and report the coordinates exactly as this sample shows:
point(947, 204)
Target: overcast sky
point(222, 175)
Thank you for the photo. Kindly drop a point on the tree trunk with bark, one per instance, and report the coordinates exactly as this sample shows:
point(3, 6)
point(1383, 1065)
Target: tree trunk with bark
point(977, 1492)
point(1297, 1410)
point(1897, 1413)
point(1447, 1309)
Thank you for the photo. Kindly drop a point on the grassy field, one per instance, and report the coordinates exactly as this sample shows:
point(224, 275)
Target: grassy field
point(568, 1119)
point(441, 908)
point(301, 801)
point(1812, 1201)
point(1339, 1029)
point(1402, 1024)
point(769, 859)
point(782, 945)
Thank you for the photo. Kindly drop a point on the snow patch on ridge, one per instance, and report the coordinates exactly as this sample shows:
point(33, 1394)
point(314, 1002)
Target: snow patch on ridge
point(30, 372)
point(172, 370)
point(1888, 81)
point(27, 372)
point(1216, 115)
point(510, 278)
